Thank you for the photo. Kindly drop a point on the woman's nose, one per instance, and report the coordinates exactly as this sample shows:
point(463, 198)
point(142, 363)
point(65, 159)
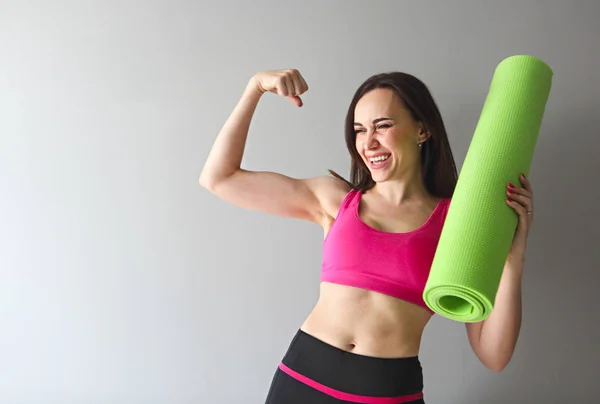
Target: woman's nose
point(371, 140)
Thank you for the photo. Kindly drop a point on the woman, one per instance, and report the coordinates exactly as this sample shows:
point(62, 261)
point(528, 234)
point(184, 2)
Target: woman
point(360, 344)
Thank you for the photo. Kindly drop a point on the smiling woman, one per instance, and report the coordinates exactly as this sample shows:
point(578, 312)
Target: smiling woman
point(395, 112)
point(361, 342)
point(382, 143)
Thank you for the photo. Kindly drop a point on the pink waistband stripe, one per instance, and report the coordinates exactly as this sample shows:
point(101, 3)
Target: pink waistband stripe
point(340, 395)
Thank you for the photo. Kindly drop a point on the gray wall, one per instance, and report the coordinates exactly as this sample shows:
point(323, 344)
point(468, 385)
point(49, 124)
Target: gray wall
point(122, 281)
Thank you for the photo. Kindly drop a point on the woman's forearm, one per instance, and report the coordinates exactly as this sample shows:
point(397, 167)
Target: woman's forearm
point(498, 334)
point(226, 155)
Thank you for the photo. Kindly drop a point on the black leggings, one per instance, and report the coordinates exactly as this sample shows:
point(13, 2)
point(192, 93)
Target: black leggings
point(314, 372)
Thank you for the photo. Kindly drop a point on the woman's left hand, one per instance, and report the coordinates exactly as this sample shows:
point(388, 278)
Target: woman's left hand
point(521, 200)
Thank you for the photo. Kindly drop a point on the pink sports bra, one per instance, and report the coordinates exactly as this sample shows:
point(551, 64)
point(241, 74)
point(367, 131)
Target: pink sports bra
point(395, 264)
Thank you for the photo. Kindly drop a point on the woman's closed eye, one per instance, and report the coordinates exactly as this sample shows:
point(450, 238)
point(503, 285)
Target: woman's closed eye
point(379, 127)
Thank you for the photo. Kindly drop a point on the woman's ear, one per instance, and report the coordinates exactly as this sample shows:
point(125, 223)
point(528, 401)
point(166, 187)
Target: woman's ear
point(424, 134)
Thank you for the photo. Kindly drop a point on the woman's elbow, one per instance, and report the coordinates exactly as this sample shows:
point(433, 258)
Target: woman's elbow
point(209, 180)
point(205, 180)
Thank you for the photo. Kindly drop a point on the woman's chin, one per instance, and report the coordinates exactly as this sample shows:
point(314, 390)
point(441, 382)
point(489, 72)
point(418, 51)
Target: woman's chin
point(380, 174)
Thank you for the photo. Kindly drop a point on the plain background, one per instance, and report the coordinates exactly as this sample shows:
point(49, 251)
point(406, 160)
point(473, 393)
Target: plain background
point(122, 281)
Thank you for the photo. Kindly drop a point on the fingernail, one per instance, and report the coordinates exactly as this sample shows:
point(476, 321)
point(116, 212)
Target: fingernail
point(509, 191)
point(510, 185)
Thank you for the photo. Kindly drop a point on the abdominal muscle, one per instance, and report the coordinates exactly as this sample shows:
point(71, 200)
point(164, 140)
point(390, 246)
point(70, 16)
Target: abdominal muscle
point(366, 323)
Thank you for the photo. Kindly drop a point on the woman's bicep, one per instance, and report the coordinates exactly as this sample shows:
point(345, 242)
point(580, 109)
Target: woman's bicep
point(278, 194)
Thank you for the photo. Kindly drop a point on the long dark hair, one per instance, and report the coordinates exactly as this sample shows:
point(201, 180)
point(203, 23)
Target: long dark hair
point(437, 163)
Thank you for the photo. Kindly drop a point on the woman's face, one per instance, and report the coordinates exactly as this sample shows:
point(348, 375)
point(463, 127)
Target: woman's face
point(386, 135)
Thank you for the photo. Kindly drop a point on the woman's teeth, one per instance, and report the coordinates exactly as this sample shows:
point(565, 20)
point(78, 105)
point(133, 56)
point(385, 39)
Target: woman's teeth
point(379, 158)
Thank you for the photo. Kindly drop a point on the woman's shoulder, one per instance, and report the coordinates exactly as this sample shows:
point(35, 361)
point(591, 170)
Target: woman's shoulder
point(331, 192)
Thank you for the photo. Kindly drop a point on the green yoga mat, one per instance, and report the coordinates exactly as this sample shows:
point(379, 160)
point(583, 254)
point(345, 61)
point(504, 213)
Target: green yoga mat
point(480, 226)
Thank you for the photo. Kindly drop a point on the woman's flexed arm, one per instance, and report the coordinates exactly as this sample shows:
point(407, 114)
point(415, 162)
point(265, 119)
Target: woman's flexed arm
point(265, 191)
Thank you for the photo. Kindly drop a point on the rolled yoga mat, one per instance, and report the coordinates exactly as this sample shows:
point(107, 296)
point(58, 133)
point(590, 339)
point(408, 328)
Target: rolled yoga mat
point(480, 225)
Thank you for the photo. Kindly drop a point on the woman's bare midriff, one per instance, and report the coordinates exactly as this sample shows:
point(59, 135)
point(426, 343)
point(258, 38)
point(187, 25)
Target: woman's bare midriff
point(366, 323)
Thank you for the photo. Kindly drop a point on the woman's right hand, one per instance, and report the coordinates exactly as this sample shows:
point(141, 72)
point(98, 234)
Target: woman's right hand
point(288, 83)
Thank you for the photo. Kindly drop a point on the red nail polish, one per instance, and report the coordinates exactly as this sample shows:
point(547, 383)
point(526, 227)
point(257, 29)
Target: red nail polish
point(510, 191)
point(510, 185)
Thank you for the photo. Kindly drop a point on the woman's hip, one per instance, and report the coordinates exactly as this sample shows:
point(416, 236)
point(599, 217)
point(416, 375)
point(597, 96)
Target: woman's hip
point(314, 371)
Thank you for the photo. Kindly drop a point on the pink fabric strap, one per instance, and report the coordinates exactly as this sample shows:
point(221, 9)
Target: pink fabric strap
point(340, 395)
